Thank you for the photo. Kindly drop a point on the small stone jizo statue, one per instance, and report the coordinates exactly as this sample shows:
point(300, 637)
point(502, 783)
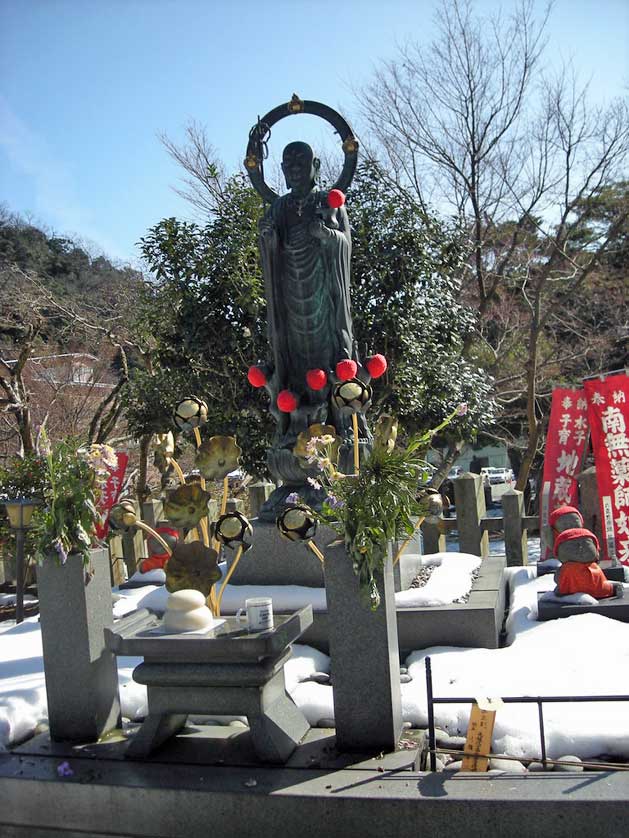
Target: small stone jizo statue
point(578, 551)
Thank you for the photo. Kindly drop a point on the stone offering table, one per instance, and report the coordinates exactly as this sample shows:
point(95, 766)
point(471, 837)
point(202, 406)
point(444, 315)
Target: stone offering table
point(227, 671)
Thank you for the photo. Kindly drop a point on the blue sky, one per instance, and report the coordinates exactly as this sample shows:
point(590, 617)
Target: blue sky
point(86, 87)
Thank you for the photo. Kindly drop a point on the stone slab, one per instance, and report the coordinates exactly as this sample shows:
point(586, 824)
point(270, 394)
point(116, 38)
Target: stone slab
point(476, 623)
point(616, 608)
point(229, 746)
point(273, 560)
point(231, 641)
point(152, 799)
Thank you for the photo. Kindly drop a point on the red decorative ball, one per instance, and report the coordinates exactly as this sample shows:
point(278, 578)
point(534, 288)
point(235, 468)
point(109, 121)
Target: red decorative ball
point(376, 365)
point(316, 379)
point(336, 198)
point(256, 377)
point(346, 369)
point(286, 401)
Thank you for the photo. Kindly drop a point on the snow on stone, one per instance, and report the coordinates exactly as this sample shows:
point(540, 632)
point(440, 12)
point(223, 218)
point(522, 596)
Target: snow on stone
point(450, 580)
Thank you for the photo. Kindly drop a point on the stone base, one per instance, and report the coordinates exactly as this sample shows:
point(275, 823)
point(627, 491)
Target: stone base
point(475, 623)
point(615, 607)
point(117, 798)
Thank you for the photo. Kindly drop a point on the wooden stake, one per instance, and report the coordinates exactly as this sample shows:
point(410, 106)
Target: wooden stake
point(356, 449)
point(478, 741)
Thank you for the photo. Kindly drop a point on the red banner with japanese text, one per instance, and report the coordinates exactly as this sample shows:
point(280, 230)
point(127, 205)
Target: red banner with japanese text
point(608, 414)
point(566, 439)
point(110, 495)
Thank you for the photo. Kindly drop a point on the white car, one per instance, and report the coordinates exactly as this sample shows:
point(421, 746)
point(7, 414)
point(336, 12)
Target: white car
point(496, 475)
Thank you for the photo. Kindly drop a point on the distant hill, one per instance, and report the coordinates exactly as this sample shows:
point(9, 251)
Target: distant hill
point(92, 286)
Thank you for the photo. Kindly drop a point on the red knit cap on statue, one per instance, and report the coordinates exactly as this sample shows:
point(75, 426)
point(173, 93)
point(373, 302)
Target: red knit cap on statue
point(563, 510)
point(576, 532)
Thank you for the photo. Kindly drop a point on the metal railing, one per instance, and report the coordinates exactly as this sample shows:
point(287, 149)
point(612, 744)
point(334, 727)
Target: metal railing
point(540, 700)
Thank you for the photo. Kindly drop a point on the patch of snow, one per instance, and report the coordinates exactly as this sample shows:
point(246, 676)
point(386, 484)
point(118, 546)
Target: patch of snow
point(450, 580)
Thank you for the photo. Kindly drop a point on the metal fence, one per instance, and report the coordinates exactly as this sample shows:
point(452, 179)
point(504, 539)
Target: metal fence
point(540, 700)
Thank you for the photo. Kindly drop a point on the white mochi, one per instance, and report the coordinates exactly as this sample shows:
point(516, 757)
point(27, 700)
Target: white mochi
point(185, 600)
point(197, 618)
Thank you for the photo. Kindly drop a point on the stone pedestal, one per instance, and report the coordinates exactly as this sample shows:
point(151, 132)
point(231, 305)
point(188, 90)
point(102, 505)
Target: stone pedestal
point(227, 671)
point(365, 659)
point(81, 673)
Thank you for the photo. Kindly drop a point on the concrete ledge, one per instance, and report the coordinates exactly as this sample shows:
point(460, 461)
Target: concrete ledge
point(118, 800)
point(475, 623)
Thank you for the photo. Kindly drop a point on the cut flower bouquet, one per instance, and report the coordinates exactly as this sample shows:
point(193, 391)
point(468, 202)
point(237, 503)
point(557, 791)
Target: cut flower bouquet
point(378, 505)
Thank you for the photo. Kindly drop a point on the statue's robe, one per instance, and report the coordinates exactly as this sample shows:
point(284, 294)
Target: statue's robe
point(307, 284)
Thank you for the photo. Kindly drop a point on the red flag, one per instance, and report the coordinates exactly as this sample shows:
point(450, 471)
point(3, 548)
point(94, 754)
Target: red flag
point(565, 445)
point(608, 413)
point(110, 495)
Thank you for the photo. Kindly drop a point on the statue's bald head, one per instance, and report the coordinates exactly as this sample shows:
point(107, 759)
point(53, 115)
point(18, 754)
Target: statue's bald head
point(300, 166)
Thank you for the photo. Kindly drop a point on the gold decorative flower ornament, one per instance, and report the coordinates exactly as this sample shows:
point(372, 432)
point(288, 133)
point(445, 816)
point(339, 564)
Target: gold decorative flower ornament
point(297, 523)
point(353, 396)
point(217, 456)
point(232, 528)
point(186, 505)
point(123, 515)
point(193, 566)
point(190, 413)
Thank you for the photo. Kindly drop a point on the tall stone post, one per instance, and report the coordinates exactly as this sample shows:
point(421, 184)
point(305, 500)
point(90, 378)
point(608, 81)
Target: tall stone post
point(81, 673)
point(116, 560)
point(365, 659)
point(258, 493)
point(469, 499)
point(152, 511)
point(516, 546)
point(434, 535)
point(133, 549)
point(589, 502)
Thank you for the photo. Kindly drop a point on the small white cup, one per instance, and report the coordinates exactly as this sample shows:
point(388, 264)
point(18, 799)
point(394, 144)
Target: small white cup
point(259, 613)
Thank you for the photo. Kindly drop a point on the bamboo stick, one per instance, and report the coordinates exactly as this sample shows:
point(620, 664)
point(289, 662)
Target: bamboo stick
point(611, 765)
point(356, 449)
point(312, 546)
point(396, 558)
point(227, 578)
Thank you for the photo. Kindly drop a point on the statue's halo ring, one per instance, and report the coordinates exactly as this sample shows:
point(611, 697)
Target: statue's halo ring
point(253, 160)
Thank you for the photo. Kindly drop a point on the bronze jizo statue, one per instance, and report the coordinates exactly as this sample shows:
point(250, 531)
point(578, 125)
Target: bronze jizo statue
point(305, 249)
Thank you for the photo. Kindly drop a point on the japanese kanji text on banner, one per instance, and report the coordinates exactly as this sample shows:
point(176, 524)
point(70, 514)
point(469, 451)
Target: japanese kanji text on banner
point(110, 495)
point(608, 413)
point(565, 445)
